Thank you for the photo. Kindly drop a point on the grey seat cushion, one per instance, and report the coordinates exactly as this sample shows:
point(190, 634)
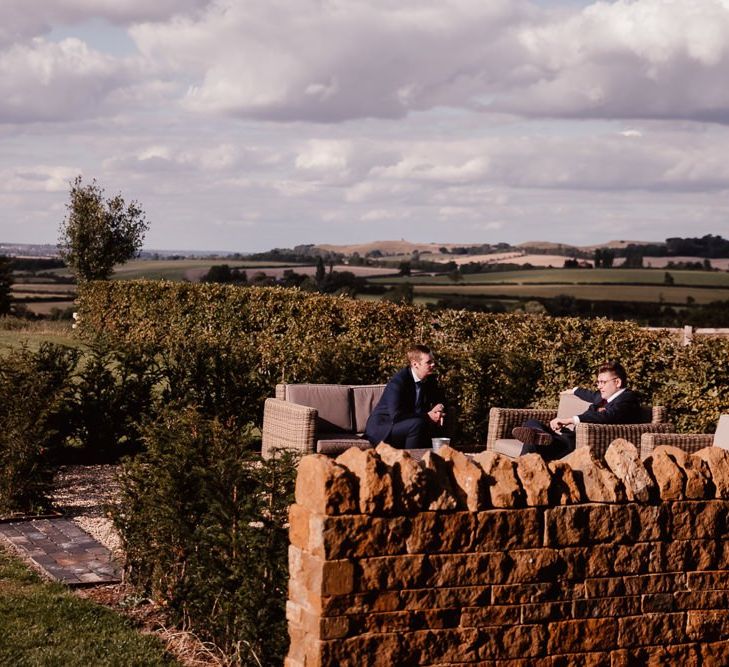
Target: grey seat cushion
point(331, 402)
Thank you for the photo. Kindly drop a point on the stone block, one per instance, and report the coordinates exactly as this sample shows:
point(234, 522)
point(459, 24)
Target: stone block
point(321, 577)
point(535, 479)
point(708, 626)
point(623, 459)
point(374, 482)
point(610, 607)
point(566, 488)
point(510, 643)
point(411, 482)
point(597, 659)
point(533, 565)
point(532, 593)
point(355, 536)
point(657, 602)
point(647, 629)
point(490, 615)
point(469, 480)
point(441, 532)
point(503, 485)
point(714, 654)
point(583, 635)
point(707, 581)
point(655, 583)
point(578, 524)
point(683, 654)
point(698, 476)
point(717, 460)
point(393, 573)
point(508, 529)
point(700, 520)
point(600, 485)
point(685, 600)
point(604, 587)
point(299, 518)
point(541, 612)
point(441, 493)
point(323, 486)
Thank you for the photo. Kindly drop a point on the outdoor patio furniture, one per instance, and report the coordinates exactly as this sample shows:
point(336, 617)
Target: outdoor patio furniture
point(596, 436)
point(689, 442)
point(323, 418)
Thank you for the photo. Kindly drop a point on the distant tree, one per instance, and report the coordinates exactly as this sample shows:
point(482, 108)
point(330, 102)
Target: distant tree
point(6, 282)
point(222, 273)
point(321, 272)
point(98, 233)
point(571, 263)
point(404, 269)
point(455, 275)
point(668, 278)
point(402, 293)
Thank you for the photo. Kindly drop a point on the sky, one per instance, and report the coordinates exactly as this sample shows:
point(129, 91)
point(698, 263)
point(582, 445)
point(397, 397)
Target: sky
point(244, 125)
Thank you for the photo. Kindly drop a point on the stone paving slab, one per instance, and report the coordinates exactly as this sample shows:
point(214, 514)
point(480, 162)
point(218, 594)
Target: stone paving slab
point(62, 551)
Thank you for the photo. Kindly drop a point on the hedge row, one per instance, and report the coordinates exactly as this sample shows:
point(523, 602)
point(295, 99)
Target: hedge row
point(484, 359)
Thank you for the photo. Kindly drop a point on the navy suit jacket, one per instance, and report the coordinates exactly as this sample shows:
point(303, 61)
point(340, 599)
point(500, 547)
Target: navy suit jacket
point(398, 403)
point(623, 409)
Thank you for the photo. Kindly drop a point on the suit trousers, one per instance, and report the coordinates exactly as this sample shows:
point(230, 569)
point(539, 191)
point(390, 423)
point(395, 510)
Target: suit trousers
point(412, 433)
point(563, 442)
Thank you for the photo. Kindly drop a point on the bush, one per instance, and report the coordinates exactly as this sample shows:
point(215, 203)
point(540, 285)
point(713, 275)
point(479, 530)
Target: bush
point(113, 393)
point(203, 522)
point(35, 390)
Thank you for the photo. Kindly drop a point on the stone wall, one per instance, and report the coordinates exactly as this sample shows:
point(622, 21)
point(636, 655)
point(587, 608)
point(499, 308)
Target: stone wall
point(487, 561)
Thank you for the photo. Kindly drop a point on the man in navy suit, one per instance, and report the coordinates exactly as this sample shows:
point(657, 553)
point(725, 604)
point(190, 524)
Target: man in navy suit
point(612, 403)
point(410, 410)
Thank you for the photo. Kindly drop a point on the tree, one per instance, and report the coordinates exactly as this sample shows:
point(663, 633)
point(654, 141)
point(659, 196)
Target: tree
point(321, 272)
point(6, 282)
point(98, 233)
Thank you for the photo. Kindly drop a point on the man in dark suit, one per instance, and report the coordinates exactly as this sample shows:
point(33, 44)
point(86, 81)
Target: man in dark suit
point(612, 403)
point(410, 410)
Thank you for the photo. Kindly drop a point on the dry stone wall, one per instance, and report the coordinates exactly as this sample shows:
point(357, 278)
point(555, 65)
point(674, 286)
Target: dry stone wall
point(487, 561)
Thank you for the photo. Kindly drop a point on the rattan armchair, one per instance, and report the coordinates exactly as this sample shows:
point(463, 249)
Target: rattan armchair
point(596, 436)
point(689, 442)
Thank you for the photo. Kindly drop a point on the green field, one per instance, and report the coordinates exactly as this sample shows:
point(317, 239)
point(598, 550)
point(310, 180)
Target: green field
point(622, 293)
point(574, 277)
point(14, 333)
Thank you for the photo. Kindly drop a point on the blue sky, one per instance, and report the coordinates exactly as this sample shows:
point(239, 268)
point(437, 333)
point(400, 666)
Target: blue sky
point(243, 125)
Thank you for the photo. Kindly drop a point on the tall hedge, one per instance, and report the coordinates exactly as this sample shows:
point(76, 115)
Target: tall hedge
point(484, 359)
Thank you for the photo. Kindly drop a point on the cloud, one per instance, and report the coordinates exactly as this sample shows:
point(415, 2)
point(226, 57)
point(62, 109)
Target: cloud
point(349, 59)
point(47, 81)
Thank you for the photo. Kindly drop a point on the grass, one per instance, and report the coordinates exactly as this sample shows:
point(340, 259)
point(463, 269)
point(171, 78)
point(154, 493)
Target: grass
point(16, 332)
point(43, 623)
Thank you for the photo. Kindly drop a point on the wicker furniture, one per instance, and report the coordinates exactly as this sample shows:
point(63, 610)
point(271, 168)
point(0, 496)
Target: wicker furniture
point(689, 442)
point(596, 436)
point(324, 418)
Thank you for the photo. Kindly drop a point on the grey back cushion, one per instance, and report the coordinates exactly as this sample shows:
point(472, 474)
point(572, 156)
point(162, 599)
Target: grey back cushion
point(364, 400)
point(331, 402)
point(721, 437)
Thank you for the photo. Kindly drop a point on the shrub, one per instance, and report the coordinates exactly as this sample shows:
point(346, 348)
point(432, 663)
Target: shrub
point(34, 409)
point(113, 393)
point(203, 521)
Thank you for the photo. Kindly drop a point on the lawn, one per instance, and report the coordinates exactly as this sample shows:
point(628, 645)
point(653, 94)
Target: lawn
point(43, 623)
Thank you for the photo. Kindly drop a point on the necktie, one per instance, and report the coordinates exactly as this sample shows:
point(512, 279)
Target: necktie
point(418, 398)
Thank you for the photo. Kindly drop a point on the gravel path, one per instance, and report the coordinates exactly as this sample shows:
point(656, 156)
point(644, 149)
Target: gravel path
point(84, 494)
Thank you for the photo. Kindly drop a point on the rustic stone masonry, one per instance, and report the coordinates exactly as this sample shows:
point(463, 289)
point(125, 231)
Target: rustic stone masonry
point(486, 561)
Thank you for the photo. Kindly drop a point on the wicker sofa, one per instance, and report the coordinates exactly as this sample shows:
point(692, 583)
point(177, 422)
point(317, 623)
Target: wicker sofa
point(689, 442)
point(596, 436)
point(324, 418)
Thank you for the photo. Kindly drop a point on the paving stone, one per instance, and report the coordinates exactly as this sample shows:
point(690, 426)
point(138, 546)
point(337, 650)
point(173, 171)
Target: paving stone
point(62, 550)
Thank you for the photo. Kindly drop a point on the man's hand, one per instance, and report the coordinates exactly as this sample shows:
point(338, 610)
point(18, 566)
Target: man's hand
point(557, 424)
point(436, 414)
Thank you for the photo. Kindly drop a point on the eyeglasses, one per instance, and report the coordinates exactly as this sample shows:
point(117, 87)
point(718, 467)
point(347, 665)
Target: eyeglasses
point(600, 383)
